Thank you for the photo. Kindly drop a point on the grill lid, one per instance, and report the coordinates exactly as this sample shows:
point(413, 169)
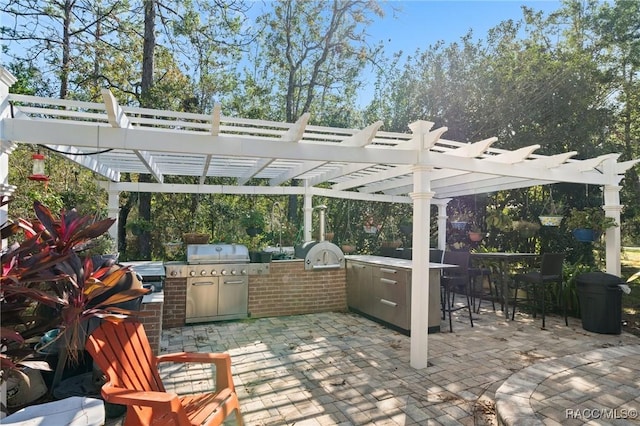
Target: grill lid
point(147, 269)
point(217, 253)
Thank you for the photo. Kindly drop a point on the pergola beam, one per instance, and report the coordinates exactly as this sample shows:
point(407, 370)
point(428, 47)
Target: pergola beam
point(118, 119)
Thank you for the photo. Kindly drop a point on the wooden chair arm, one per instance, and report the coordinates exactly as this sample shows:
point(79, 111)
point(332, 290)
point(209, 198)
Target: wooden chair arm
point(157, 400)
point(222, 362)
point(215, 358)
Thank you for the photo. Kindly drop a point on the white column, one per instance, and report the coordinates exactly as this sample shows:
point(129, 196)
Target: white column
point(308, 211)
point(113, 206)
point(420, 265)
point(442, 224)
point(6, 81)
point(613, 241)
point(6, 147)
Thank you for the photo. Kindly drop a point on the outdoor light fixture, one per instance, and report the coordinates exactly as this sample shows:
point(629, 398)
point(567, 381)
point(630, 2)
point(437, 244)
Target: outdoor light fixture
point(38, 168)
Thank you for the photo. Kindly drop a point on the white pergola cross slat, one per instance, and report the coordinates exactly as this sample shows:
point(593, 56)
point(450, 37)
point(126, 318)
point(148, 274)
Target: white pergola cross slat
point(419, 167)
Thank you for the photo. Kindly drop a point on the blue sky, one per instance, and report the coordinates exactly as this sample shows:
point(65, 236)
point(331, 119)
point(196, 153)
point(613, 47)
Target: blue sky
point(421, 23)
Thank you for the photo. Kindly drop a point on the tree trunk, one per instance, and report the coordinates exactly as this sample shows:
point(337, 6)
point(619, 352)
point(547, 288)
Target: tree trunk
point(144, 204)
point(66, 49)
point(144, 213)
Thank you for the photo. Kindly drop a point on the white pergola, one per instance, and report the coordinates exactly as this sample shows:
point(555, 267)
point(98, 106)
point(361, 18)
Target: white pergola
point(419, 167)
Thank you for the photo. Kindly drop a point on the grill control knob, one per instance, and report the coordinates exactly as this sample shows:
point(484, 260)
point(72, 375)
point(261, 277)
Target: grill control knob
point(223, 272)
point(173, 273)
point(192, 273)
point(203, 272)
point(243, 272)
point(233, 272)
point(214, 272)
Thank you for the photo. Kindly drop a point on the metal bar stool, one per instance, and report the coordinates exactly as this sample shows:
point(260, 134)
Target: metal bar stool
point(456, 279)
point(550, 273)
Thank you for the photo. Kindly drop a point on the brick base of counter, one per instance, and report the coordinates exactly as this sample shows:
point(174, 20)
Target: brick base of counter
point(291, 290)
point(288, 289)
point(175, 302)
point(152, 321)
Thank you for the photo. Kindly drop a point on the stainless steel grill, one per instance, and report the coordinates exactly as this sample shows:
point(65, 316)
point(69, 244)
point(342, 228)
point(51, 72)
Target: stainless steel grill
point(217, 281)
point(151, 273)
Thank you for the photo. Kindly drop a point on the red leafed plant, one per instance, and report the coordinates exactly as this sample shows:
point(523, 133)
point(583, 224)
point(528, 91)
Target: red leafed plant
point(46, 284)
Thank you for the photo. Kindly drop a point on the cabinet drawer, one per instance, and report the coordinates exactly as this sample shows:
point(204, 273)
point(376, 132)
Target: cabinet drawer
point(392, 290)
point(393, 313)
point(392, 285)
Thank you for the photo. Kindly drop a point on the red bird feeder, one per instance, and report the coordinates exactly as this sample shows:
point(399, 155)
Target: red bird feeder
point(38, 168)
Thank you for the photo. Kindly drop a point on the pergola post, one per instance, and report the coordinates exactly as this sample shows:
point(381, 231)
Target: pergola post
point(308, 211)
point(442, 223)
point(421, 196)
point(613, 243)
point(6, 81)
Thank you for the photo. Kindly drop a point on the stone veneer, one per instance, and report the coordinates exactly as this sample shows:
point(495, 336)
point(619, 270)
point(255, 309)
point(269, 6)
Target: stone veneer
point(288, 289)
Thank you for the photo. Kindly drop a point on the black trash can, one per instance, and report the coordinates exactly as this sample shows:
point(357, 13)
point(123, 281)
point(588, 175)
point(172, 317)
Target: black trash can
point(600, 302)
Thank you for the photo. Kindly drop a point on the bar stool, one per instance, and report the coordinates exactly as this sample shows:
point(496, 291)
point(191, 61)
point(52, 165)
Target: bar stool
point(455, 279)
point(550, 273)
point(482, 272)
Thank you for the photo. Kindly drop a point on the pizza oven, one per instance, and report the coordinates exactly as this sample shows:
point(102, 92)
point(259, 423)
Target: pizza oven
point(320, 255)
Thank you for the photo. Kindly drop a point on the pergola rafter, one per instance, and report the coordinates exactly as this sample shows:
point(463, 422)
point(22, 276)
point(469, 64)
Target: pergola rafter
point(420, 167)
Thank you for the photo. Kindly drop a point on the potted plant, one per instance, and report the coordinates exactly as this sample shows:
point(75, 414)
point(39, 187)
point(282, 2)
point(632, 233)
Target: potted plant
point(253, 222)
point(195, 238)
point(49, 283)
point(459, 221)
point(391, 243)
point(348, 246)
point(525, 228)
point(551, 214)
point(589, 223)
point(475, 233)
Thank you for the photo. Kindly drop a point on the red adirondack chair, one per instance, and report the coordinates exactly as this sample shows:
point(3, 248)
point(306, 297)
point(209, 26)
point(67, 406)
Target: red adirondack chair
point(122, 351)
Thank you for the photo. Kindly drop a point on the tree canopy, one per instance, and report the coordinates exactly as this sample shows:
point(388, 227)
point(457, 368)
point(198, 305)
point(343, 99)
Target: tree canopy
point(566, 81)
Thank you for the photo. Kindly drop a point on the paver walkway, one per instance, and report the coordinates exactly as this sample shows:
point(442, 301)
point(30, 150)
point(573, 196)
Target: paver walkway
point(342, 369)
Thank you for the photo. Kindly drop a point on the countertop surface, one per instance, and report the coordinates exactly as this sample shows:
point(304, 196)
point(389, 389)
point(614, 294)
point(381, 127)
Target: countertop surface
point(392, 261)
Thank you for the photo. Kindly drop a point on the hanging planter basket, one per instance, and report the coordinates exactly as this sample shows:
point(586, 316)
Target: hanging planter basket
point(475, 236)
point(391, 243)
point(348, 248)
point(585, 235)
point(550, 215)
point(550, 220)
point(195, 238)
point(459, 225)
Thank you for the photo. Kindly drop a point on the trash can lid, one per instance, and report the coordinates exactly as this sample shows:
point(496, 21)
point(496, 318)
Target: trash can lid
point(599, 278)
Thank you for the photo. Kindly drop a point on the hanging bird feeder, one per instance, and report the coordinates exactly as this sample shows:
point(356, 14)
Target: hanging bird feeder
point(38, 172)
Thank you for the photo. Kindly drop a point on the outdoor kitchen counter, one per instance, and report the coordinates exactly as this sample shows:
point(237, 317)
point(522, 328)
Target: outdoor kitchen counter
point(391, 261)
point(380, 288)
